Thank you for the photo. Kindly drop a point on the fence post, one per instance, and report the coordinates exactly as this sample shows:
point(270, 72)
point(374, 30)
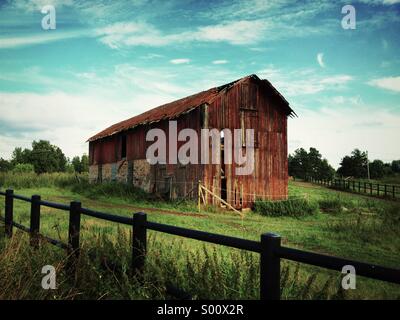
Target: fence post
point(370, 188)
point(8, 214)
point(270, 267)
point(394, 192)
point(73, 235)
point(378, 189)
point(139, 242)
point(35, 221)
point(385, 190)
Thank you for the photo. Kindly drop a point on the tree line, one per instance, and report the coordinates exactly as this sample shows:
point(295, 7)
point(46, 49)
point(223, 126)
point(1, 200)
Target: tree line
point(311, 165)
point(43, 157)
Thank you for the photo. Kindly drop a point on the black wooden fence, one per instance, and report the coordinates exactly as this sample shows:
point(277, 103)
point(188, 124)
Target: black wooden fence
point(369, 188)
point(269, 247)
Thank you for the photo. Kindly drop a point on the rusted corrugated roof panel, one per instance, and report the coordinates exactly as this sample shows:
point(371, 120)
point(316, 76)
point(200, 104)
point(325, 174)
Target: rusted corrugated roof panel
point(174, 109)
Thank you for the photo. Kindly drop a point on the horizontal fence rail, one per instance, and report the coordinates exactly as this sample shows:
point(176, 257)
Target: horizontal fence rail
point(228, 241)
point(388, 191)
point(269, 247)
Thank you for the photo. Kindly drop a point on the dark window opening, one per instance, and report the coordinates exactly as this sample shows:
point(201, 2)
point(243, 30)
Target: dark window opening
point(123, 147)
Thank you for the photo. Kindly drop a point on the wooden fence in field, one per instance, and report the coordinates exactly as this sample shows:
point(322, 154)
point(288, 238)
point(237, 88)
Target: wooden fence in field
point(388, 191)
point(269, 247)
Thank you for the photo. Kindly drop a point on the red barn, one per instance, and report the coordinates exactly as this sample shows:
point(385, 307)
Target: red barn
point(118, 153)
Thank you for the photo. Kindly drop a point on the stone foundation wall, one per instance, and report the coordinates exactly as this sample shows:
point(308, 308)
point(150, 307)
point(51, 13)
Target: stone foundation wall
point(142, 174)
point(137, 172)
point(122, 171)
point(107, 172)
point(93, 173)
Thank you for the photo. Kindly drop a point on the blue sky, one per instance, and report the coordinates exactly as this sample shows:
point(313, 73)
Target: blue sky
point(110, 60)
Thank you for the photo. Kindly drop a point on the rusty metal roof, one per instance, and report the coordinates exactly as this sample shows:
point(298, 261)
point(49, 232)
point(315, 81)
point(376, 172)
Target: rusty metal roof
point(174, 109)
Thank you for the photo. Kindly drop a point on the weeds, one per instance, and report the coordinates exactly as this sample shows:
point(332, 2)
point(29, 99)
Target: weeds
point(296, 207)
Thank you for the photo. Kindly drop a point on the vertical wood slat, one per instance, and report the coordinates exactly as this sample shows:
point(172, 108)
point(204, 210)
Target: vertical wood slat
point(9, 211)
point(35, 221)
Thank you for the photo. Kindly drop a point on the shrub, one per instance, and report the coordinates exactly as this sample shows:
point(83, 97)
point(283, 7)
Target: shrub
point(19, 180)
point(295, 207)
point(330, 204)
point(23, 168)
point(109, 189)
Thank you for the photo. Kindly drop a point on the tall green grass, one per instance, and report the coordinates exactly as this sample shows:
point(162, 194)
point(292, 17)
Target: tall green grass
point(295, 207)
point(19, 180)
point(103, 272)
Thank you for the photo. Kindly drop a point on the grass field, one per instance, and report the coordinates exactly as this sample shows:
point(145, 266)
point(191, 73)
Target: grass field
point(346, 225)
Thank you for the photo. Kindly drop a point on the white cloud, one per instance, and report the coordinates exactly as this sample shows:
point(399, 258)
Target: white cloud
point(303, 81)
point(237, 32)
point(180, 61)
point(380, 2)
point(65, 120)
point(45, 37)
point(37, 5)
point(388, 83)
point(336, 79)
point(144, 34)
point(336, 131)
point(220, 61)
point(320, 57)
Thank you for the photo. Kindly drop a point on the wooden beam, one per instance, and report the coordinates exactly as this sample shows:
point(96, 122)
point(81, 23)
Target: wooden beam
point(222, 200)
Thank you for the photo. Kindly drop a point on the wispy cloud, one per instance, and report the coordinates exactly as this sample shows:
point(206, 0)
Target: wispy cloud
point(220, 61)
point(380, 2)
point(180, 61)
point(144, 34)
point(388, 83)
point(320, 59)
point(43, 38)
point(304, 81)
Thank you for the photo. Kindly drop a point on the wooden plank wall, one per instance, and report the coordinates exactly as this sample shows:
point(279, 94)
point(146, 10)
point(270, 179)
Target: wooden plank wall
point(270, 177)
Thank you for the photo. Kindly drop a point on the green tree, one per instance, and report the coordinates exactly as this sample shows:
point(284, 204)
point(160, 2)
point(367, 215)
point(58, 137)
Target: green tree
point(46, 157)
point(395, 166)
point(354, 165)
point(5, 165)
point(77, 164)
point(306, 165)
point(298, 164)
point(80, 164)
point(377, 169)
point(324, 170)
point(85, 163)
point(20, 156)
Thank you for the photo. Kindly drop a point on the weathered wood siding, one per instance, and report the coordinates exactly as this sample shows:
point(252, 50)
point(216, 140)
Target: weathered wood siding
point(264, 113)
point(270, 177)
